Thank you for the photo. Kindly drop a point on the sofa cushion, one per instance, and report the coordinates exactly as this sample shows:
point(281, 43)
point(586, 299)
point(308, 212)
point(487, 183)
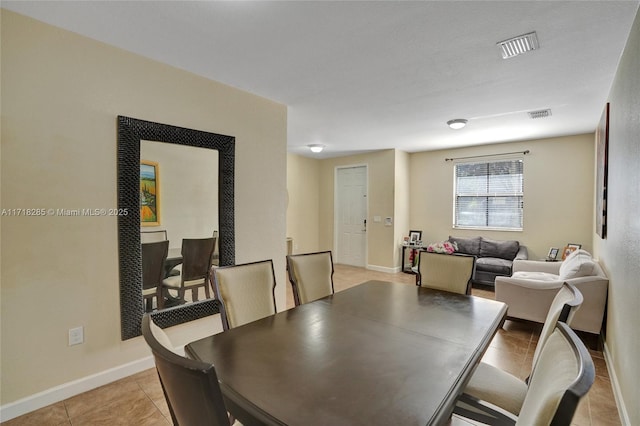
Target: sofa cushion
point(578, 264)
point(494, 265)
point(535, 276)
point(467, 245)
point(501, 249)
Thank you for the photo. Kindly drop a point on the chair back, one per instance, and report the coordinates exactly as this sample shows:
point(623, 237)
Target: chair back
point(153, 257)
point(153, 236)
point(448, 272)
point(245, 292)
point(563, 307)
point(190, 387)
point(564, 374)
point(311, 276)
point(197, 254)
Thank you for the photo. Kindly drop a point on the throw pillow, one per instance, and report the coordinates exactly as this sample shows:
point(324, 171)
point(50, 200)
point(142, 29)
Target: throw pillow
point(501, 249)
point(442, 247)
point(577, 264)
point(467, 245)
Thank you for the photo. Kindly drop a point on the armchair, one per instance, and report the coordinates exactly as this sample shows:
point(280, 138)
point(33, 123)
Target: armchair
point(533, 285)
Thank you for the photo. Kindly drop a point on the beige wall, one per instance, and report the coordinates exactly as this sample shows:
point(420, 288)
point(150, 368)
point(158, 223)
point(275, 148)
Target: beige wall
point(558, 193)
point(402, 200)
point(619, 251)
point(61, 94)
point(303, 206)
point(188, 184)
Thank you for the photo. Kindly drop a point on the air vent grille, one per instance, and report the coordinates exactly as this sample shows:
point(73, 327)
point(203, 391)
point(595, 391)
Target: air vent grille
point(518, 45)
point(541, 113)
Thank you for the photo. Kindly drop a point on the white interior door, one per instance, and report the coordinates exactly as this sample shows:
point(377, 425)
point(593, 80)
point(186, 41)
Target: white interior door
point(351, 215)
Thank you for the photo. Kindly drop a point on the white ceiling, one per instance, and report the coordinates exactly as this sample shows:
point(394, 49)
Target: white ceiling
point(360, 76)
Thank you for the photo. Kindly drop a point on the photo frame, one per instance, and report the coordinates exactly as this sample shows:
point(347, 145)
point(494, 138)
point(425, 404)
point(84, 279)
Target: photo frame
point(415, 236)
point(570, 248)
point(553, 253)
point(149, 193)
point(602, 172)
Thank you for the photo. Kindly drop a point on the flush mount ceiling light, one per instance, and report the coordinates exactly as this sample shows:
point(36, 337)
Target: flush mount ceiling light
point(316, 147)
point(518, 45)
point(456, 124)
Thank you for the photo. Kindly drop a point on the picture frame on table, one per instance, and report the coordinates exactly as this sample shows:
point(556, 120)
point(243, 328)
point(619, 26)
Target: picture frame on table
point(415, 236)
point(553, 254)
point(570, 248)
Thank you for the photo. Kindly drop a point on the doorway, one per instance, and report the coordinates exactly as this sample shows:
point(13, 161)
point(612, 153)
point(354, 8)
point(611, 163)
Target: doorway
point(351, 215)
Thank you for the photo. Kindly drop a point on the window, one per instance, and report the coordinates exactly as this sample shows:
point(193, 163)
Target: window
point(489, 195)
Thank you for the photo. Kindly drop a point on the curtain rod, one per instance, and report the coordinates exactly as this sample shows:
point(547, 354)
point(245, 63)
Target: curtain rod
point(487, 155)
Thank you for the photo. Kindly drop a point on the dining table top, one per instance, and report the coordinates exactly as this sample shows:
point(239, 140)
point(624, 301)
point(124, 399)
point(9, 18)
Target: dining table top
point(379, 353)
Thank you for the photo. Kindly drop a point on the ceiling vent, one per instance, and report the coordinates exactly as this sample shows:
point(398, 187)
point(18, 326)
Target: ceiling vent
point(518, 45)
point(541, 113)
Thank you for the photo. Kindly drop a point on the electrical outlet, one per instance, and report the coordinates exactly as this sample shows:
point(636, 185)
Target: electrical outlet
point(76, 336)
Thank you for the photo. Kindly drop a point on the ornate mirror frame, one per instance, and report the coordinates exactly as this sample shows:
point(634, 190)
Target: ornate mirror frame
point(130, 132)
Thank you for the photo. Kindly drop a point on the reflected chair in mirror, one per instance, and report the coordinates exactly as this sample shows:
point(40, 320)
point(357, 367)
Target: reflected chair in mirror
point(190, 387)
point(196, 268)
point(153, 258)
point(448, 272)
point(245, 292)
point(153, 236)
point(563, 374)
point(215, 259)
point(311, 276)
point(499, 388)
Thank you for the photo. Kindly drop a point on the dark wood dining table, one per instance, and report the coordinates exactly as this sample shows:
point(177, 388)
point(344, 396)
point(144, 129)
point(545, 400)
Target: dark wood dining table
point(379, 353)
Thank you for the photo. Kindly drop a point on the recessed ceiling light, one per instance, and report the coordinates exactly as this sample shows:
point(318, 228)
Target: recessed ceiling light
point(518, 45)
point(316, 147)
point(456, 124)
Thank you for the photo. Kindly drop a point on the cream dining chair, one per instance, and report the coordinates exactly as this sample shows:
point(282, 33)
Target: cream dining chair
point(245, 292)
point(311, 276)
point(563, 374)
point(506, 391)
point(153, 236)
point(448, 272)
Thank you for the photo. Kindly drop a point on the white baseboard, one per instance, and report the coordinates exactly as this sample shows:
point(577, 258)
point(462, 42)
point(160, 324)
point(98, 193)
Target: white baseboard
point(76, 387)
point(615, 385)
point(383, 269)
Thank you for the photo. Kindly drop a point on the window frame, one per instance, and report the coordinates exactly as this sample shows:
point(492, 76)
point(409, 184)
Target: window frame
point(487, 196)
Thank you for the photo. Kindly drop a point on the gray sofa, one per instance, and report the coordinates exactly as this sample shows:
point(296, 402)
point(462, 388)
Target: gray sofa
point(493, 258)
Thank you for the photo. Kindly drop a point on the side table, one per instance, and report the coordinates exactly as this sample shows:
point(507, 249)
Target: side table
point(413, 258)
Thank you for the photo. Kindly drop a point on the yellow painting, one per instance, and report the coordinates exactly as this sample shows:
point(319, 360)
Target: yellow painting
point(149, 193)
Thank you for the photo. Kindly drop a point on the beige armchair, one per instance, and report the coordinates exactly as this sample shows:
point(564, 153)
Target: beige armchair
point(533, 285)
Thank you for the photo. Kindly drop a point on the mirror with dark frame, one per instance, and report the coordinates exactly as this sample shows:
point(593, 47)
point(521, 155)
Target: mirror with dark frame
point(131, 132)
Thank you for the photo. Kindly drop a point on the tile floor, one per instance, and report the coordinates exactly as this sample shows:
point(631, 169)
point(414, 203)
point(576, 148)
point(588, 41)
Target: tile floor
point(138, 399)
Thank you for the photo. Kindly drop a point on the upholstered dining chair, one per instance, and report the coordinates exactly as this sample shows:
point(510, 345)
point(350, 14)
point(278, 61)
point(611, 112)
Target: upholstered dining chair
point(448, 272)
point(153, 236)
point(506, 391)
point(311, 276)
point(245, 292)
point(563, 374)
point(153, 257)
point(190, 387)
point(196, 266)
